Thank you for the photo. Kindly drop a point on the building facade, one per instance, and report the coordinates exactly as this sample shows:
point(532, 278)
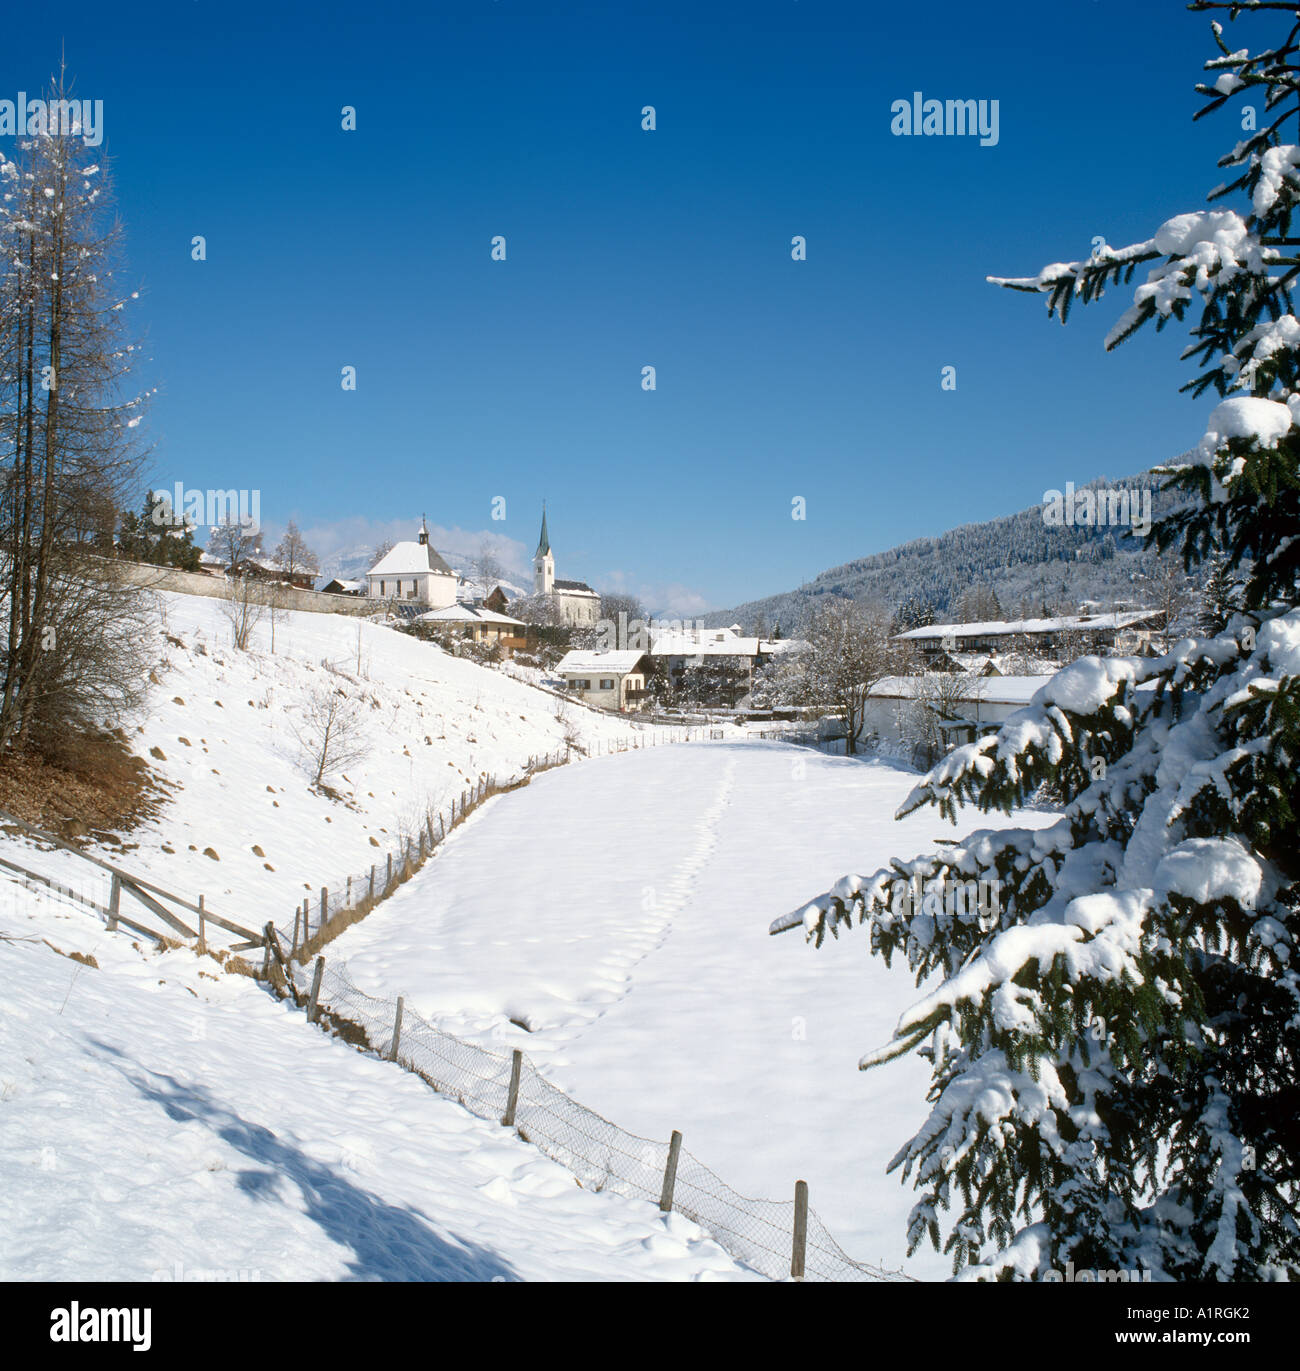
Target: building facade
point(576, 604)
point(413, 571)
point(608, 680)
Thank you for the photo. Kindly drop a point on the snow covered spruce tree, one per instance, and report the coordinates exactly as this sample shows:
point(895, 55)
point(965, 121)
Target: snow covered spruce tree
point(1115, 1032)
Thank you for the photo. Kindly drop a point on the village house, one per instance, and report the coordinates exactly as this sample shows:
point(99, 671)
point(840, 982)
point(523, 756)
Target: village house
point(608, 680)
point(981, 704)
point(269, 570)
point(412, 571)
point(1065, 635)
point(983, 701)
point(477, 624)
point(735, 655)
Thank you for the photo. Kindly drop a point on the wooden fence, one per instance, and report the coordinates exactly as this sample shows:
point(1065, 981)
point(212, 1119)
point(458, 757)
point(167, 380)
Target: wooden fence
point(155, 902)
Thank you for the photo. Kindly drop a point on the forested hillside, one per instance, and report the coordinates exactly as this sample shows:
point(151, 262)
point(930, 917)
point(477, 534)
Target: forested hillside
point(1032, 567)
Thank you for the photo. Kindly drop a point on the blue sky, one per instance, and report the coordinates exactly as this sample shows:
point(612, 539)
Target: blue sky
point(626, 248)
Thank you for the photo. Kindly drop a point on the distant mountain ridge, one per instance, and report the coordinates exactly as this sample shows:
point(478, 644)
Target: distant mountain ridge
point(1034, 567)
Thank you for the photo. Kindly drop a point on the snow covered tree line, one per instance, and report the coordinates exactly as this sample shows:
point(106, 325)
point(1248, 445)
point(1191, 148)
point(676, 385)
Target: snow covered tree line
point(1116, 1060)
point(70, 640)
point(1032, 569)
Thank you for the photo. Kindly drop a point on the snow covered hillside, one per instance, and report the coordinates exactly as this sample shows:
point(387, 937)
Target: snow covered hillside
point(220, 728)
point(162, 1122)
point(628, 931)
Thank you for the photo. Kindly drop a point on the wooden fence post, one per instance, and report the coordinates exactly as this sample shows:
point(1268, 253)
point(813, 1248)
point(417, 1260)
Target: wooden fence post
point(266, 958)
point(442, 829)
point(324, 906)
point(389, 882)
point(670, 1172)
point(800, 1249)
point(114, 902)
point(397, 1031)
point(202, 943)
point(297, 921)
point(313, 1000)
point(348, 905)
point(512, 1100)
point(372, 880)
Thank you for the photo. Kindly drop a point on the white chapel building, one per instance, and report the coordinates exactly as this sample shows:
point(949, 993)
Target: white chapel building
point(576, 604)
point(413, 571)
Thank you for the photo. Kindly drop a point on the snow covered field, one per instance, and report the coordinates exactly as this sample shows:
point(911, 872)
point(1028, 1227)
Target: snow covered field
point(620, 907)
point(159, 1122)
point(224, 723)
point(156, 1114)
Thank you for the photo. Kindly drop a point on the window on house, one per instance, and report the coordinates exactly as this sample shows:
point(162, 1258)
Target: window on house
point(607, 683)
point(382, 588)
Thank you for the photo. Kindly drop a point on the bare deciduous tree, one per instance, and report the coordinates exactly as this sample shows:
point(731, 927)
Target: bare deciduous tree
point(332, 731)
point(243, 609)
point(1172, 595)
point(850, 649)
point(293, 554)
point(234, 542)
point(68, 446)
point(489, 568)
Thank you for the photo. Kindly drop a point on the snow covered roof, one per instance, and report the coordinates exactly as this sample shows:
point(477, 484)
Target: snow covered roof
point(410, 559)
point(466, 614)
point(586, 663)
point(716, 642)
point(998, 690)
point(1063, 623)
point(574, 587)
point(975, 662)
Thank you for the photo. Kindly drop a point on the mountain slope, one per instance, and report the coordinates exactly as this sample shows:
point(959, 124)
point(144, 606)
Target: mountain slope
point(1032, 566)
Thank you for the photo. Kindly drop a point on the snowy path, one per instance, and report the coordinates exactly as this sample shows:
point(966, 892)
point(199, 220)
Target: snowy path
point(619, 908)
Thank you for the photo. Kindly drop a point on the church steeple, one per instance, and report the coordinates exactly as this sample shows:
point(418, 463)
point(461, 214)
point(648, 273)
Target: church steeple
point(543, 561)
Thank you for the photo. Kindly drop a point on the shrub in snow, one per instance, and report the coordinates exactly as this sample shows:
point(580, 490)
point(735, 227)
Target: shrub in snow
point(332, 732)
point(1115, 1055)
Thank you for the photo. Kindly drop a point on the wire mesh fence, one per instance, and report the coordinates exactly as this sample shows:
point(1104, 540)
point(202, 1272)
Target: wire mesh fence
point(603, 1156)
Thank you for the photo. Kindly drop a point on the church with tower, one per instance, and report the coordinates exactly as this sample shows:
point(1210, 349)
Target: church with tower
point(576, 604)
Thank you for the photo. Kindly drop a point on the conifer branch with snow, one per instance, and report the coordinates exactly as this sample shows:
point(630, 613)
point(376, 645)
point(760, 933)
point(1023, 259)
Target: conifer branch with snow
point(1116, 1050)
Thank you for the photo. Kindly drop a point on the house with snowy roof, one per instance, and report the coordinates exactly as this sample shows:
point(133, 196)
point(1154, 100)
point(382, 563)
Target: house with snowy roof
point(412, 571)
point(476, 624)
point(268, 569)
point(676, 647)
point(609, 680)
point(576, 604)
point(1072, 634)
